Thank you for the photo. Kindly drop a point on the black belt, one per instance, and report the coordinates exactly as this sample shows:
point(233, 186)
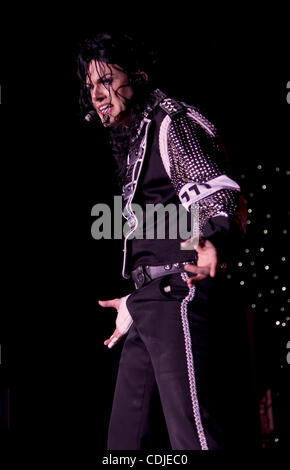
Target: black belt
point(144, 274)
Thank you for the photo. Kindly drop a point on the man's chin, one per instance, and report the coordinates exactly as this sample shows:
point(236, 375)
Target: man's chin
point(107, 123)
point(115, 121)
point(110, 121)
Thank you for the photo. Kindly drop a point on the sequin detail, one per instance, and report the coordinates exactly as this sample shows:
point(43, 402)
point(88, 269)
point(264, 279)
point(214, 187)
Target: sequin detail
point(196, 155)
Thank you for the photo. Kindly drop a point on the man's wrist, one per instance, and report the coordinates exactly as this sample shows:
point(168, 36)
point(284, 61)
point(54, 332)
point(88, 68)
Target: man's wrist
point(124, 319)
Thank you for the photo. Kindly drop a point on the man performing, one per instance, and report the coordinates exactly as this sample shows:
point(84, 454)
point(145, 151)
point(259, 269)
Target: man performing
point(167, 153)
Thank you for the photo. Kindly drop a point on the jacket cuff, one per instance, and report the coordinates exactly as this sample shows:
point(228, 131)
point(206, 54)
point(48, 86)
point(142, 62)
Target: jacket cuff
point(223, 232)
point(124, 319)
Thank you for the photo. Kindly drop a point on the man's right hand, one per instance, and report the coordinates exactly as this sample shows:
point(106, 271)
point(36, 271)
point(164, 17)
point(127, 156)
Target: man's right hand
point(117, 335)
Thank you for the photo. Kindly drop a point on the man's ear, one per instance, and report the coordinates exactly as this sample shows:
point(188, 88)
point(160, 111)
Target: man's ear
point(143, 75)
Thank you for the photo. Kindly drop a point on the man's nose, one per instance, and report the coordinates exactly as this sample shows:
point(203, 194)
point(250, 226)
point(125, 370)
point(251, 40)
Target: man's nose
point(100, 94)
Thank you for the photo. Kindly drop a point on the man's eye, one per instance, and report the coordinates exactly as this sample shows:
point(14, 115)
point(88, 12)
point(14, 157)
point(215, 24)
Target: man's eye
point(107, 81)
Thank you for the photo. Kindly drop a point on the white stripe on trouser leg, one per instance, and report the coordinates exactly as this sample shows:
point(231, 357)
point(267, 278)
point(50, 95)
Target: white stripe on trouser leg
point(190, 365)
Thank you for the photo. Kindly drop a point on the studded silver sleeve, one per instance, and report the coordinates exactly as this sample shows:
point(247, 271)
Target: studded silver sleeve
point(198, 168)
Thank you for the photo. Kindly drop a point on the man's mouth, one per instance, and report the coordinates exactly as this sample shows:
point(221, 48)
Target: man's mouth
point(105, 109)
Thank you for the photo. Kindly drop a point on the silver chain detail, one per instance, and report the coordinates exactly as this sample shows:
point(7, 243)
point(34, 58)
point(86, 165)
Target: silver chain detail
point(190, 365)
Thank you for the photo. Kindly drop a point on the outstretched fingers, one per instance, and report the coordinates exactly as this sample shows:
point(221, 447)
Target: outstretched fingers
point(114, 303)
point(115, 338)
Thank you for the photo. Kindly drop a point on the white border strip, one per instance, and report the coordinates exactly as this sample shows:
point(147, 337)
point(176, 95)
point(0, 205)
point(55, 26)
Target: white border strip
point(163, 143)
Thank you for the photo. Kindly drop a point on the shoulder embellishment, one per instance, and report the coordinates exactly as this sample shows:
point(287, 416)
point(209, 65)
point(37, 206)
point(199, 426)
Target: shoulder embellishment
point(171, 107)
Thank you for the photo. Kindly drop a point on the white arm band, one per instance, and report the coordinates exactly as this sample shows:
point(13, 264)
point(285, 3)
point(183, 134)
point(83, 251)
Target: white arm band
point(124, 319)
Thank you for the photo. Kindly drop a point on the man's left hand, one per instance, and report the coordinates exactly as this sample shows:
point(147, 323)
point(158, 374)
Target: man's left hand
point(207, 262)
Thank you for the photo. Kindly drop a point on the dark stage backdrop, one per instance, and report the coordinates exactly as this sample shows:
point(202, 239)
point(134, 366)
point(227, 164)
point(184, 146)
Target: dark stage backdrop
point(57, 377)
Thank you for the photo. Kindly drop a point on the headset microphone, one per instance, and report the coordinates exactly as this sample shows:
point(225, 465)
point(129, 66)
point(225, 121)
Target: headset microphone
point(91, 116)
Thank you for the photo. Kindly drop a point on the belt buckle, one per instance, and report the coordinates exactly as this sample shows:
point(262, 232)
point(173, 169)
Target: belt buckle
point(140, 277)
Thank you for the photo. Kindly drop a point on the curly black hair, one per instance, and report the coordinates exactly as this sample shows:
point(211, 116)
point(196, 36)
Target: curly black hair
point(131, 55)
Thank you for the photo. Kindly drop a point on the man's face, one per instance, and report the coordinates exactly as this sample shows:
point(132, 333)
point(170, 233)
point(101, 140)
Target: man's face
point(110, 92)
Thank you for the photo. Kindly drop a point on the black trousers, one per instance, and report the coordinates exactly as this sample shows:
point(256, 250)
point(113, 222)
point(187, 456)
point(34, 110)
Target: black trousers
point(178, 346)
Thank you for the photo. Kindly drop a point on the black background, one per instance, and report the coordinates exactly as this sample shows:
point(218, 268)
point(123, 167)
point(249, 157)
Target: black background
point(235, 69)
